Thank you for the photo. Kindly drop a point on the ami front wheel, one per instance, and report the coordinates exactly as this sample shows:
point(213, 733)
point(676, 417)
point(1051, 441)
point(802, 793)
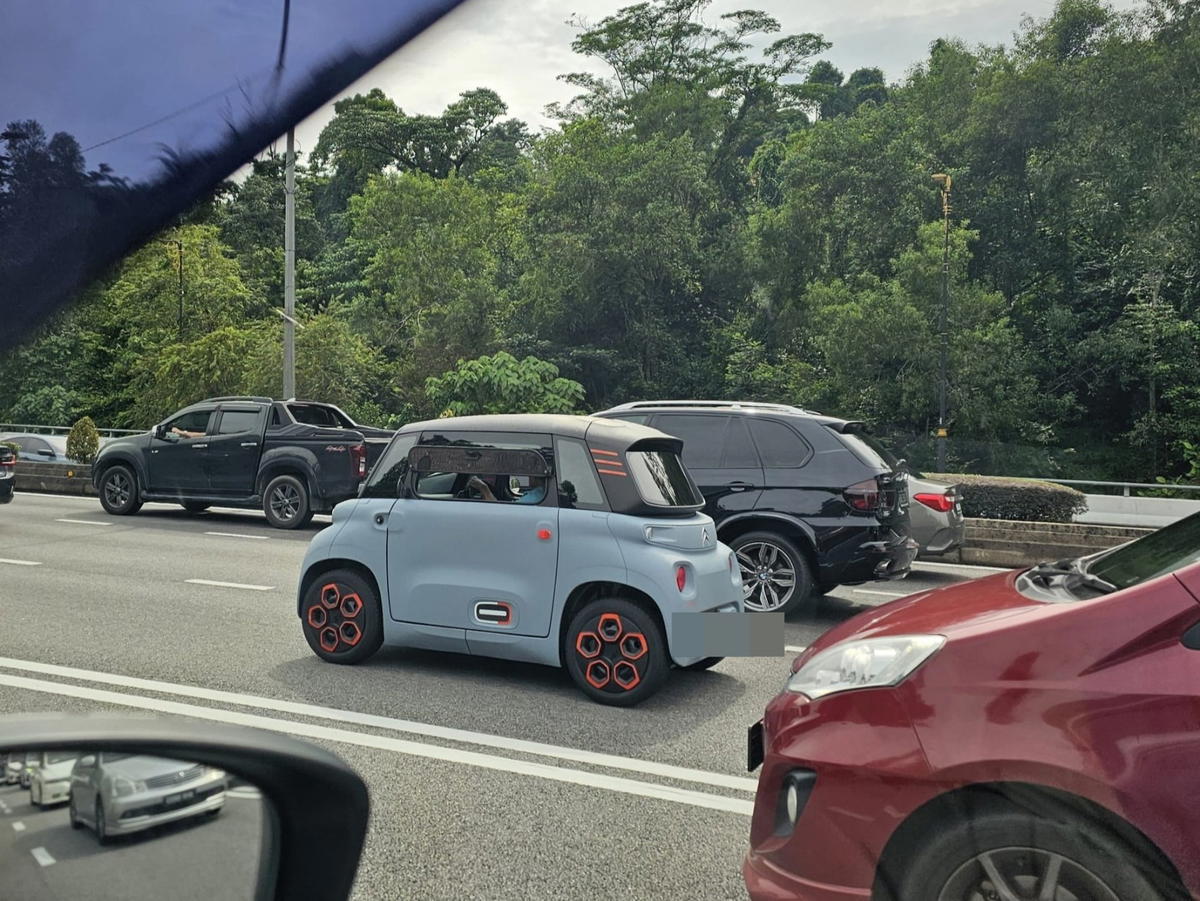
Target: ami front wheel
point(616, 652)
point(342, 617)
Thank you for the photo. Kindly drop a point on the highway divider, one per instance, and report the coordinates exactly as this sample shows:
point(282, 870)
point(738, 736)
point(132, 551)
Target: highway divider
point(54, 478)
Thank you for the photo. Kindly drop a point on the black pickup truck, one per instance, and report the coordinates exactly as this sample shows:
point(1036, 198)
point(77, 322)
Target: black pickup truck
point(236, 452)
point(8, 462)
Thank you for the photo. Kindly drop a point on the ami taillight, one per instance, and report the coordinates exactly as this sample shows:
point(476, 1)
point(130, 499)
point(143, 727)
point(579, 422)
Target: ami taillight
point(942, 503)
point(681, 577)
point(358, 457)
point(864, 496)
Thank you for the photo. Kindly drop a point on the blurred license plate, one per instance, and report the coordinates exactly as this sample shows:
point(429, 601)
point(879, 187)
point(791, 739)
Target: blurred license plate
point(178, 798)
point(754, 747)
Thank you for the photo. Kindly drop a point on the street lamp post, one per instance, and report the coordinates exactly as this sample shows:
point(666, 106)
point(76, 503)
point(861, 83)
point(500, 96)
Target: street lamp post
point(945, 181)
point(289, 269)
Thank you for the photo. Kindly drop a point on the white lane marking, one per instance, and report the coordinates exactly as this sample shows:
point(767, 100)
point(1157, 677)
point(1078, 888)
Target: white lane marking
point(239, 535)
point(385, 743)
point(919, 564)
point(20, 562)
point(18, 826)
point(84, 522)
point(230, 585)
point(886, 594)
point(483, 739)
point(42, 856)
point(795, 649)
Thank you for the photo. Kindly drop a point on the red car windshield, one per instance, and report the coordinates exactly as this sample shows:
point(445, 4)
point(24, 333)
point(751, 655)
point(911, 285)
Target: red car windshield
point(1169, 549)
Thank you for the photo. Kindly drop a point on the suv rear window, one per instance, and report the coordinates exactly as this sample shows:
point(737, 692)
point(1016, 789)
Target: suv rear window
point(661, 479)
point(868, 449)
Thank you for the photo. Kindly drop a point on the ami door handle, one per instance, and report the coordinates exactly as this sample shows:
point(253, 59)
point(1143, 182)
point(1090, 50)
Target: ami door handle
point(198, 446)
point(737, 486)
point(380, 518)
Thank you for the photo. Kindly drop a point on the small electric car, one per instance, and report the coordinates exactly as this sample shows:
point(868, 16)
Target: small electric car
point(562, 540)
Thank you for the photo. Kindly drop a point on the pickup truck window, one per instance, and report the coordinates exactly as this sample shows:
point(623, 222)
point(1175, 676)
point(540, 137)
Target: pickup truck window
point(235, 421)
point(190, 425)
point(314, 414)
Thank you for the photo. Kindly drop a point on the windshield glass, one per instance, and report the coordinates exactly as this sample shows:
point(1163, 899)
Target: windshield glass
point(1170, 548)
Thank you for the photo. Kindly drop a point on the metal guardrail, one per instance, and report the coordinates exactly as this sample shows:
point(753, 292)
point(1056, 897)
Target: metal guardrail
point(1125, 486)
point(61, 429)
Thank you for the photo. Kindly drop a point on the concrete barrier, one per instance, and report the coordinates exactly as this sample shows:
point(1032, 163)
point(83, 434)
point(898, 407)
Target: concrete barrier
point(1152, 512)
point(999, 542)
point(54, 478)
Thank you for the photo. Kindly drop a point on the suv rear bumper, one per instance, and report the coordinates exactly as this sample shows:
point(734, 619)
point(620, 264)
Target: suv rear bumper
point(877, 558)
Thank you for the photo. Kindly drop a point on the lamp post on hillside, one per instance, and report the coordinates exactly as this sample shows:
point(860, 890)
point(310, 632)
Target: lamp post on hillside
point(945, 181)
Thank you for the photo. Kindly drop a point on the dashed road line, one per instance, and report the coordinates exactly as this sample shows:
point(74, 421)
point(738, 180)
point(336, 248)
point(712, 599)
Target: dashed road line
point(241, 585)
point(239, 535)
point(794, 649)
point(18, 826)
point(921, 564)
point(42, 856)
point(20, 562)
point(885, 594)
point(84, 522)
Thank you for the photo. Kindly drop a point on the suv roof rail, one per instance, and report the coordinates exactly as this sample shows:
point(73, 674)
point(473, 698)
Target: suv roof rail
point(244, 397)
point(731, 404)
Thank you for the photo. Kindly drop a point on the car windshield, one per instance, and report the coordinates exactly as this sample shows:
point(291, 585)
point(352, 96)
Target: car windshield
point(567, 660)
point(1167, 550)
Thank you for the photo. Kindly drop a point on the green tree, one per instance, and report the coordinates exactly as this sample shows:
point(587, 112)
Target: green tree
point(504, 384)
point(83, 441)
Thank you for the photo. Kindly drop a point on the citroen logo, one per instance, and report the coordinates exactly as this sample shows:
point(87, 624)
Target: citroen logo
point(704, 537)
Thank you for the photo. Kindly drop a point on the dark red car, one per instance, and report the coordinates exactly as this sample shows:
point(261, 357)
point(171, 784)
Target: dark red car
point(1032, 736)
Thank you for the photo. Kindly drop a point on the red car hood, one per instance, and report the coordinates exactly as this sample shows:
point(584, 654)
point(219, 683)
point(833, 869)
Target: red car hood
point(941, 611)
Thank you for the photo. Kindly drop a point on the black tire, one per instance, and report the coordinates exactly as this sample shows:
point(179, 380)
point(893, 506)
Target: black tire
point(767, 559)
point(1096, 865)
point(195, 506)
point(76, 823)
point(102, 835)
point(325, 619)
point(119, 493)
point(701, 665)
point(641, 675)
point(286, 502)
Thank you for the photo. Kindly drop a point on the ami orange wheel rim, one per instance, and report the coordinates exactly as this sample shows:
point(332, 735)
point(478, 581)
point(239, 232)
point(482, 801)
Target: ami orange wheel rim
point(612, 653)
point(334, 618)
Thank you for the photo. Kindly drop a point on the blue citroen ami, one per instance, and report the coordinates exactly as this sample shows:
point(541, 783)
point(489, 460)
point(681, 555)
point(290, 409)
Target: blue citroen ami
point(561, 540)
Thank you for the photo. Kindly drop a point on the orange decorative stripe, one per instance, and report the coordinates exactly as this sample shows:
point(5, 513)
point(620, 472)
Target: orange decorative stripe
point(611, 472)
point(605, 453)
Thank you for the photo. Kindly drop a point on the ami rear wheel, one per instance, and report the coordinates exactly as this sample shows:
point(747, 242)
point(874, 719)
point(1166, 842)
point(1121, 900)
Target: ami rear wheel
point(286, 503)
point(119, 493)
point(342, 617)
point(616, 652)
point(1015, 854)
point(776, 577)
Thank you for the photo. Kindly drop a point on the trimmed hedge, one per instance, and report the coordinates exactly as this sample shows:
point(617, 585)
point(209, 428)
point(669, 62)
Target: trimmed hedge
point(1028, 500)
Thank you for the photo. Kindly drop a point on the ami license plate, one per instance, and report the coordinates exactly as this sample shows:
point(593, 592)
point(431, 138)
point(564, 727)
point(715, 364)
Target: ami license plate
point(754, 747)
point(178, 798)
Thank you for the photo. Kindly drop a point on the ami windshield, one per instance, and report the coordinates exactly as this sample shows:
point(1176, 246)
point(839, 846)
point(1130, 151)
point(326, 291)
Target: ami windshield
point(1170, 548)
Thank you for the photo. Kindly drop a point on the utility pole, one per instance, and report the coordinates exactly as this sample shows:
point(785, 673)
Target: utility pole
point(945, 181)
point(289, 268)
point(179, 245)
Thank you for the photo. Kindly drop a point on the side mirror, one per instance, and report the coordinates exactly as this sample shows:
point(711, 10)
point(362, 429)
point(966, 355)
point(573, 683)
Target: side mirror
point(160, 431)
point(46, 453)
point(176, 801)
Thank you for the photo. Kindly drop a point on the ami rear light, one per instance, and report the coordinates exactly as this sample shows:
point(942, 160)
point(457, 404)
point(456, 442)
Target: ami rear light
point(942, 503)
point(864, 496)
point(358, 453)
point(681, 577)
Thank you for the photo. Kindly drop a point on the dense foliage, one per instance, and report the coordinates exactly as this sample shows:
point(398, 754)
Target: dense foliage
point(724, 215)
point(1026, 500)
point(83, 441)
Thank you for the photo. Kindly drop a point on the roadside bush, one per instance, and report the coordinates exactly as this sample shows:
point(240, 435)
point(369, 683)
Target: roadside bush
point(1027, 500)
point(83, 441)
point(12, 447)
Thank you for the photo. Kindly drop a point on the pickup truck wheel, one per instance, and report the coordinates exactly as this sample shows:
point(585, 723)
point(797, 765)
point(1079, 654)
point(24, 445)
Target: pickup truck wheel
point(119, 491)
point(286, 502)
point(615, 652)
point(342, 617)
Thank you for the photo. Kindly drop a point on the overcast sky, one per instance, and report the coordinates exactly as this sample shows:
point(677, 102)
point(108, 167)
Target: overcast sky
point(519, 47)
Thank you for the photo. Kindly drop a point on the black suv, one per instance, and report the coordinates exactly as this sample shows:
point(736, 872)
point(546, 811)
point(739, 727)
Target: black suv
point(803, 499)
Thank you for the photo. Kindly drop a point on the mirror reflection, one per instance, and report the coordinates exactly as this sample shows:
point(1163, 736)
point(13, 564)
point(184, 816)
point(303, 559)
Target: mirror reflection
point(121, 825)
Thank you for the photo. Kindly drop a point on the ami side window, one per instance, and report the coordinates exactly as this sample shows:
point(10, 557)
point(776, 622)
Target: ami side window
point(578, 484)
point(513, 468)
point(389, 474)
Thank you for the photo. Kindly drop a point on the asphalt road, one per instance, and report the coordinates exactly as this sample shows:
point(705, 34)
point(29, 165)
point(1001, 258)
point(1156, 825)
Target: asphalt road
point(489, 779)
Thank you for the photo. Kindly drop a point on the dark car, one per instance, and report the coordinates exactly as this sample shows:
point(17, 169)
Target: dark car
point(1030, 735)
point(805, 502)
point(236, 452)
point(8, 463)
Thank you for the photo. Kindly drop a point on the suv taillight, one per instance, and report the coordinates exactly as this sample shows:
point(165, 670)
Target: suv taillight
point(864, 496)
point(942, 503)
point(358, 453)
